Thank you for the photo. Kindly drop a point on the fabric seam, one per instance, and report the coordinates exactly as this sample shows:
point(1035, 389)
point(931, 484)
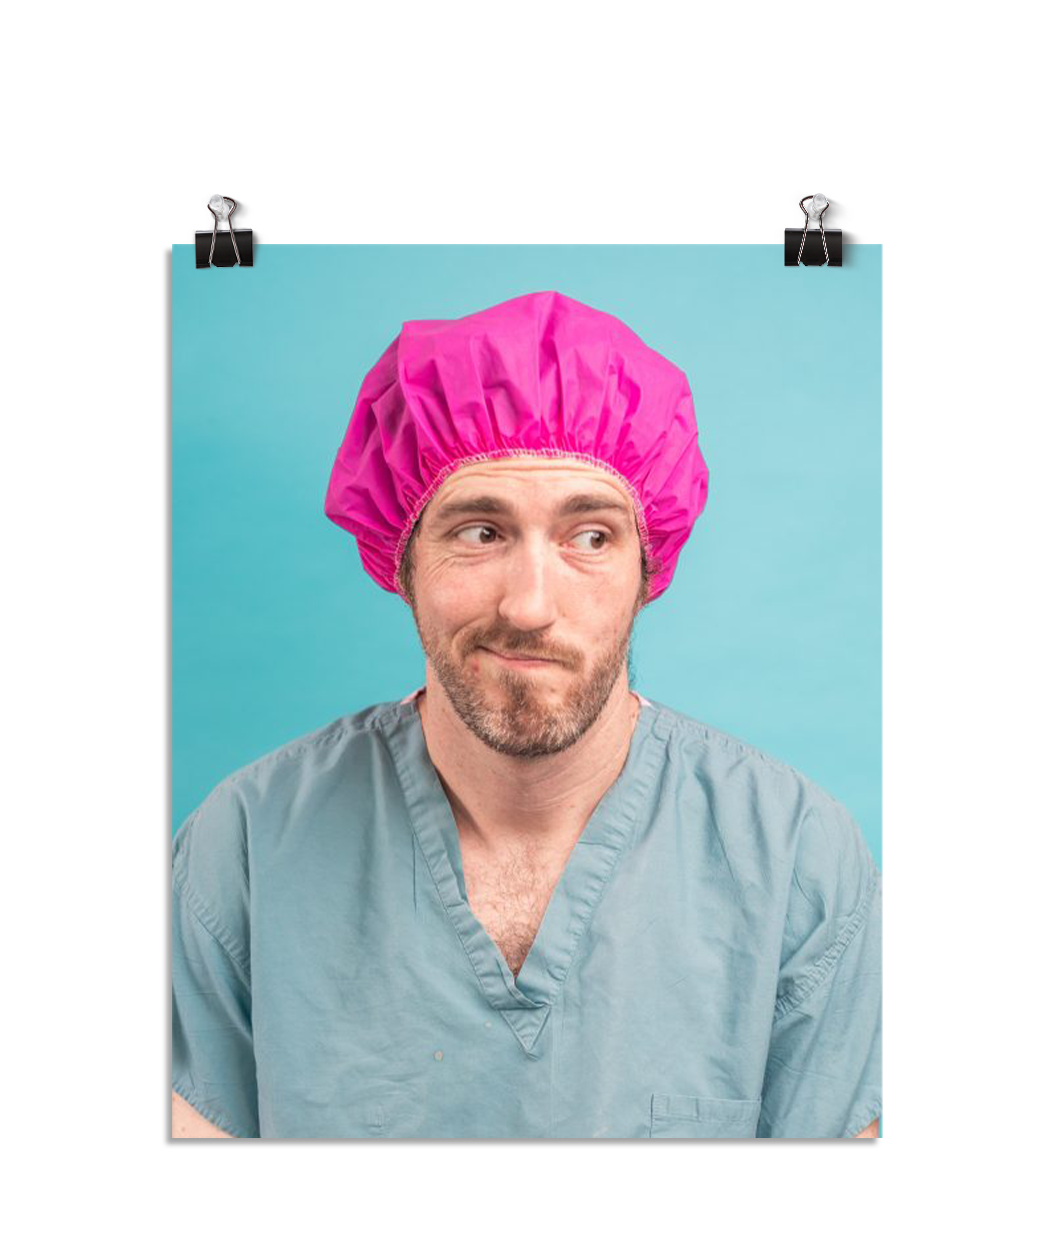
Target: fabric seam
point(210, 1113)
point(300, 746)
point(873, 1109)
point(826, 964)
point(634, 829)
point(193, 902)
point(430, 871)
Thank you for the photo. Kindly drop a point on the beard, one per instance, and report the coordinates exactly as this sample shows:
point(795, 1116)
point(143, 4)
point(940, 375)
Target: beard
point(522, 723)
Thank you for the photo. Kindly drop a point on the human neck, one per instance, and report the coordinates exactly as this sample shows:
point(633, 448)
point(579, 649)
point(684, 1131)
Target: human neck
point(534, 803)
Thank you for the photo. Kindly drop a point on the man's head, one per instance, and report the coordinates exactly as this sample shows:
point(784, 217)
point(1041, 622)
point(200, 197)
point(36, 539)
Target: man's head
point(527, 557)
point(527, 403)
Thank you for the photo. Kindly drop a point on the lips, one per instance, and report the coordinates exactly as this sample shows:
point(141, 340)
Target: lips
point(514, 656)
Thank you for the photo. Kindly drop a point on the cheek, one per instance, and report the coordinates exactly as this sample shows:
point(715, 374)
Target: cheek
point(454, 590)
point(604, 605)
point(452, 614)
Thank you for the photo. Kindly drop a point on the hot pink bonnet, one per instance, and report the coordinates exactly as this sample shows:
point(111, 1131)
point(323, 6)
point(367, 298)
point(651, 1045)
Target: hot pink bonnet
point(538, 375)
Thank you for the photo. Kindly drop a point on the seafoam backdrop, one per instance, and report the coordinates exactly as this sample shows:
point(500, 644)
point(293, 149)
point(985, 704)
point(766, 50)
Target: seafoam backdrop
point(771, 629)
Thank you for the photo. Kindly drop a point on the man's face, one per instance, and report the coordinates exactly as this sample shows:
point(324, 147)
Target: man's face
point(507, 561)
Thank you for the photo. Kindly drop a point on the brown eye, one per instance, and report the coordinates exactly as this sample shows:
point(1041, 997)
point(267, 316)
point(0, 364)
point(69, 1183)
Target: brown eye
point(475, 529)
point(597, 533)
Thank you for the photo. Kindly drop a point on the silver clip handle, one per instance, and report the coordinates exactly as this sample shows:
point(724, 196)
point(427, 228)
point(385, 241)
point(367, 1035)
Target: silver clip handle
point(817, 209)
point(222, 209)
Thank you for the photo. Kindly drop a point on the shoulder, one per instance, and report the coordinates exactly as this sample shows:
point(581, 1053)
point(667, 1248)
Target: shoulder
point(775, 821)
point(725, 751)
point(743, 783)
point(213, 848)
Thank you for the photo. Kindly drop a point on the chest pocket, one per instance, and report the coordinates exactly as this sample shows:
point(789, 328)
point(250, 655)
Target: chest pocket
point(692, 1116)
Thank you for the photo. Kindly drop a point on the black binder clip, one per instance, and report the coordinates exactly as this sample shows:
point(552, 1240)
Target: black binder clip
point(812, 246)
point(234, 250)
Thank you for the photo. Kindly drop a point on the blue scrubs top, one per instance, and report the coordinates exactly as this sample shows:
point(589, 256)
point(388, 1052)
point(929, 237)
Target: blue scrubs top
point(708, 965)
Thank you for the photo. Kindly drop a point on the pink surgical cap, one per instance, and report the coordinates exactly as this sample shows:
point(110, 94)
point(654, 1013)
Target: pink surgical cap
point(538, 375)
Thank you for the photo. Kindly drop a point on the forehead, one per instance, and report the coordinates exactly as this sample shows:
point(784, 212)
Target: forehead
point(550, 481)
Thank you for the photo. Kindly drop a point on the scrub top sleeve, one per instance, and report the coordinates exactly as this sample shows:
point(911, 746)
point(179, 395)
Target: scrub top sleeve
point(823, 1072)
point(213, 1045)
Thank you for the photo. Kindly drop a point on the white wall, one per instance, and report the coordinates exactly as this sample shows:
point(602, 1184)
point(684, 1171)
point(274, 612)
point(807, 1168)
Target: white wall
point(545, 122)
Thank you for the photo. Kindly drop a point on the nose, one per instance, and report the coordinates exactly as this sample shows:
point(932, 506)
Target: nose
point(528, 599)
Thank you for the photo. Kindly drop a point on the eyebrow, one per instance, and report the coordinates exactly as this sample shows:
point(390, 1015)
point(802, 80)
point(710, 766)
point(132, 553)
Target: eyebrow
point(484, 504)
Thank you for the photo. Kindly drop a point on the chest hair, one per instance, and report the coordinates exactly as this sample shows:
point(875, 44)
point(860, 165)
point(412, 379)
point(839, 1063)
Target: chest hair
point(509, 895)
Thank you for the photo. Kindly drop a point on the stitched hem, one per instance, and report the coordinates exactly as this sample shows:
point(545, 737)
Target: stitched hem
point(826, 964)
point(214, 1116)
point(198, 908)
point(863, 1117)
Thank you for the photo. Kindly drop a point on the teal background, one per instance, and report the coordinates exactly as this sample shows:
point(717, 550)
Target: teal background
point(771, 627)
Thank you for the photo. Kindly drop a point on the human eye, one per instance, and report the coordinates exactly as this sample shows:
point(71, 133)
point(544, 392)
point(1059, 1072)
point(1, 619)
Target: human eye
point(599, 533)
point(473, 530)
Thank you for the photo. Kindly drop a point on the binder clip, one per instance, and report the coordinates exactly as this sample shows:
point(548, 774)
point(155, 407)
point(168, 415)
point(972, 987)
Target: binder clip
point(812, 246)
point(234, 250)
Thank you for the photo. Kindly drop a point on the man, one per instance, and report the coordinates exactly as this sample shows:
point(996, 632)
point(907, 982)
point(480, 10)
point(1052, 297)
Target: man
point(524, 901)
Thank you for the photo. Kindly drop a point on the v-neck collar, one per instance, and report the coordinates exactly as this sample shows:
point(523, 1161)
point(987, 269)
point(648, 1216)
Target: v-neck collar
point(614, 824)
